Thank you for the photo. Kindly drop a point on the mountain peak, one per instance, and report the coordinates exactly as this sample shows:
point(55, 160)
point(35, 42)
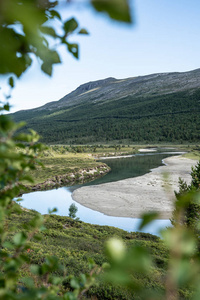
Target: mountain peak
point(94, 84)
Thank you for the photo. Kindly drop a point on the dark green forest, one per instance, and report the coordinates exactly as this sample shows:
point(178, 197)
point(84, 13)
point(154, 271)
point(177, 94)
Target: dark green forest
point(172, 118)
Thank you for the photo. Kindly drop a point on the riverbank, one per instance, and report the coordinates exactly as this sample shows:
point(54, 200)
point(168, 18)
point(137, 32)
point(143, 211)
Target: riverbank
point(69, 165)
point(132, 197)
point(70, 178)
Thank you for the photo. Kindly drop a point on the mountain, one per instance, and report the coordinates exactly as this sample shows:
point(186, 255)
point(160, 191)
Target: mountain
point(152, 108)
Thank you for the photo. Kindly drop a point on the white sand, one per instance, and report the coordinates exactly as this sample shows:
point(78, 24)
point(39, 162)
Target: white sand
point(131, 197)
point(147, 150)
point(113, 157)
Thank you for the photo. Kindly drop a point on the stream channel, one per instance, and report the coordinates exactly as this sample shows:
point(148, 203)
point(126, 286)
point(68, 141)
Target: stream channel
point(121, 168)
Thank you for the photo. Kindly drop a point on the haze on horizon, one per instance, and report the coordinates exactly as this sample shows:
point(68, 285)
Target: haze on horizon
point(163, 38)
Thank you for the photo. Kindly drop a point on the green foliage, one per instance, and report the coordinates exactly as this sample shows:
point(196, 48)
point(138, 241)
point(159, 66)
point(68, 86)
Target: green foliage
point(77, 243)
point(140, 268)
point(24, 32)
point(167, 118)
point(187, 203)
point(131, 268)
point(24, 275)
point(14, 245)
point(195, 184)
point(148, 218)
point(26, 26)
point(25, 29)
point(116, 9)
point(56, 166)
point(73, 210)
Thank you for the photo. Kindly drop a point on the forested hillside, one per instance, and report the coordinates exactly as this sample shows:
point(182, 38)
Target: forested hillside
point(155, 108)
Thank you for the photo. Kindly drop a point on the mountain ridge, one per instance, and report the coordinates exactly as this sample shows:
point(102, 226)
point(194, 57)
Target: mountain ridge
point(105, 102)
point(87, 87)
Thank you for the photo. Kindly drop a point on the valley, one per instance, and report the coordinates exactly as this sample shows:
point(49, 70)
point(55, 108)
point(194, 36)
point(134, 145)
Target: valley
point(112, 118)
point(100, 165)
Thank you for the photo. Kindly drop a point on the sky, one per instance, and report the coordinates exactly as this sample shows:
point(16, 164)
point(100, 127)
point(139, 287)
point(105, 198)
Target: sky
point(164, 37)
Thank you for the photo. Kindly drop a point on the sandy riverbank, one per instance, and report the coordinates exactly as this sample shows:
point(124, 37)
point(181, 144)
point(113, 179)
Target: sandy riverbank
point(131, 197)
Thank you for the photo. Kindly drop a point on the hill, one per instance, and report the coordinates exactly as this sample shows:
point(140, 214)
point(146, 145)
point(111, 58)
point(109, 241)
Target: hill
point(162, 107)
point(76, 243)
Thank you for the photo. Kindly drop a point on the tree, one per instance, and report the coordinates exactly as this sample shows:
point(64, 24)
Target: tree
point(195, 184)
point(73, 210)
point(187, 205)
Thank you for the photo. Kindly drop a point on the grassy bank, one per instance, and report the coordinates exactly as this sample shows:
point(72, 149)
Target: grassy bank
point(66, 165)
point(194, 153)
point(74, 243)
point(62, 169)
point(62, 164)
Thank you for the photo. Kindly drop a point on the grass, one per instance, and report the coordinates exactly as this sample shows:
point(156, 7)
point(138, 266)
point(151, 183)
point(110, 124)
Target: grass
point(74, 243)
point(193, 155)
point(64, 160)
point(62, 164)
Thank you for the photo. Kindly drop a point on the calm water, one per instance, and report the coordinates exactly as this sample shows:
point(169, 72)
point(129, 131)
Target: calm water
point(138, 165)
point(121, 168)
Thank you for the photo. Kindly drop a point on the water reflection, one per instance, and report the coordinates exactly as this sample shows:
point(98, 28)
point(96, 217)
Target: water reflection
point(129, 167)
point(61, 199)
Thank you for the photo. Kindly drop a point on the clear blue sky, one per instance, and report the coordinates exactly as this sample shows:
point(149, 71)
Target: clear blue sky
point(164, 38)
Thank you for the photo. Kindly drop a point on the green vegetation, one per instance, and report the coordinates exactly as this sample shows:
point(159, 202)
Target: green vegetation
point(76, 243)
point(146, 260)
point(194, 153)
point(171, 118)
point(187, 194)
point(72, 211)
point(67, 165)
point(25, 28)
point(20, 46)
point(51, 262)
point(61, 163)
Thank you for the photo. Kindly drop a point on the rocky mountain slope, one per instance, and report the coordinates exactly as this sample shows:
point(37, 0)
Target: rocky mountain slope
point(157, 107)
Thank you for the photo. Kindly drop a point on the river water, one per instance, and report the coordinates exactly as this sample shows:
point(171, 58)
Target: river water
point(121, 168)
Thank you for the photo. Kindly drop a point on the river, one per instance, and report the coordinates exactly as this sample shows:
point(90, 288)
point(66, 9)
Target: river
point(121, 168)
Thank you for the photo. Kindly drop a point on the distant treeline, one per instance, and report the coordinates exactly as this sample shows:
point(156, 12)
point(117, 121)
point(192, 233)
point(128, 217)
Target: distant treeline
point(164, 118)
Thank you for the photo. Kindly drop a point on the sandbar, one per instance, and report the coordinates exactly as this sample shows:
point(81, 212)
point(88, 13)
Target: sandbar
point(132, 197)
